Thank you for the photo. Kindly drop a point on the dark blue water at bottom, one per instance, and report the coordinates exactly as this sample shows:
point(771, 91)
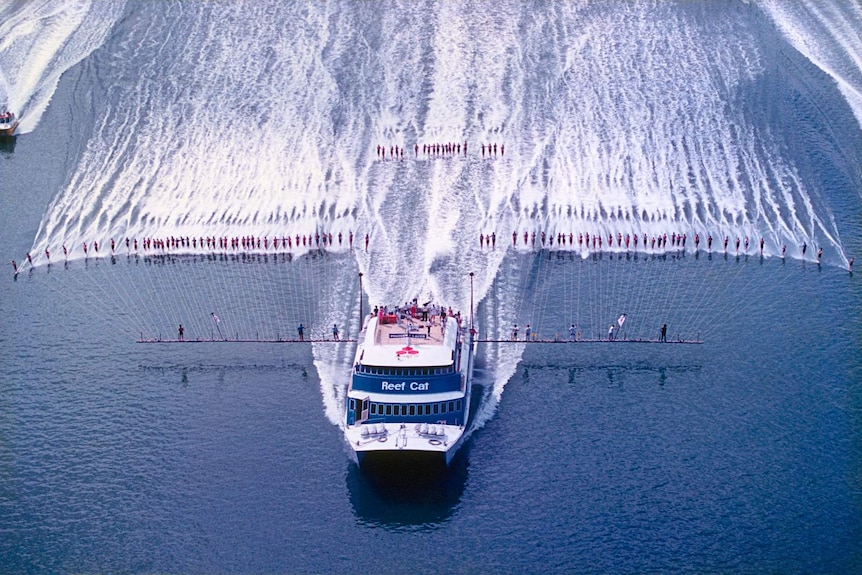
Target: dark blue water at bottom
point(741, 454)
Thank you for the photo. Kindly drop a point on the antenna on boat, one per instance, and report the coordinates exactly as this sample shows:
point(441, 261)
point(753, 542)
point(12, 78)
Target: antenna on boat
point(361, 317)
point(471, 304)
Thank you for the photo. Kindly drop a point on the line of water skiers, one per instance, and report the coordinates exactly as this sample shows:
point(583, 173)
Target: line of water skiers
point(439, 150)
point(630, 240)
point(318, 240)
point(323, 240)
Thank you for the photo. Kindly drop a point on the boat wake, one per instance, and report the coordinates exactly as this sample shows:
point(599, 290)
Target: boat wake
point(39, 42)
point(438, 152)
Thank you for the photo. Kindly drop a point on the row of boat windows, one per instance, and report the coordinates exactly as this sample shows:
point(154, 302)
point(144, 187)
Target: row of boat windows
point(411, 408)
point(405, 371)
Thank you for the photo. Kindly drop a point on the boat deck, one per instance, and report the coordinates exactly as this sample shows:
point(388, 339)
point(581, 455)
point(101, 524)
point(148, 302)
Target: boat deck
point(390, 332)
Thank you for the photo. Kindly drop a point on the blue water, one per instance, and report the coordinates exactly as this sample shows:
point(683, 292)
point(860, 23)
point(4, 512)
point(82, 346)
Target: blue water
point(740, 454)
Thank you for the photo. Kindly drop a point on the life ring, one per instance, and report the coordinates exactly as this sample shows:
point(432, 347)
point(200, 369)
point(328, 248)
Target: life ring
point(435, 442)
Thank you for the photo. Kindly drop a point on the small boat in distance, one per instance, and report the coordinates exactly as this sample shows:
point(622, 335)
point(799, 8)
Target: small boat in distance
point(8, 123)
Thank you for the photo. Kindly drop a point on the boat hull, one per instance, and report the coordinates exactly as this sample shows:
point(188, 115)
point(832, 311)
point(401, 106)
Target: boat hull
point(9, 130)
point(389, 463)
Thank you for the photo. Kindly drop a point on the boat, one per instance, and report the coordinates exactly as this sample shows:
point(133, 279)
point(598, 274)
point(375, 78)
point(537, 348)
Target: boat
point(408, 401)
point(8, 123)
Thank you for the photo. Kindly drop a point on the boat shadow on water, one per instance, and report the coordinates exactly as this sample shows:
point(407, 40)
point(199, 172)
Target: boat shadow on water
point(7, 144)
point(419, 496)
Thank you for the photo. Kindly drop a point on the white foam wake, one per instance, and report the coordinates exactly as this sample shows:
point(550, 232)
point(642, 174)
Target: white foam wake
point(829, 34)
point(39, 41)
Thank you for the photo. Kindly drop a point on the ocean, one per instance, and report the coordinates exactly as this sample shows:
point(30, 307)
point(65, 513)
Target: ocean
point(734, 447)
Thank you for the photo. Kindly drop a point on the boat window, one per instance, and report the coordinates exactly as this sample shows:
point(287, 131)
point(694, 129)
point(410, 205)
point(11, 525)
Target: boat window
point(451, 406)
point(373, 409)
point(458, 405)
point(436, 408)
point(412, 410)
point(352, 404)
point(443, 407)
point(388, 409)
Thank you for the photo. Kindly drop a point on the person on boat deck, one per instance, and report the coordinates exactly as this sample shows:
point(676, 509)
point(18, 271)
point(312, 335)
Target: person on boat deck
point(572, 332)
point(611, 333)
point(514, 332)
point(181, 331)
point(335, 332)
point(300, 330)
point(527, 333)
point(663, 333)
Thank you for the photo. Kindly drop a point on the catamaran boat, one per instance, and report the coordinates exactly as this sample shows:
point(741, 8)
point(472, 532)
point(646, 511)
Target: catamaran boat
point(8, 123)
point(408, 401)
